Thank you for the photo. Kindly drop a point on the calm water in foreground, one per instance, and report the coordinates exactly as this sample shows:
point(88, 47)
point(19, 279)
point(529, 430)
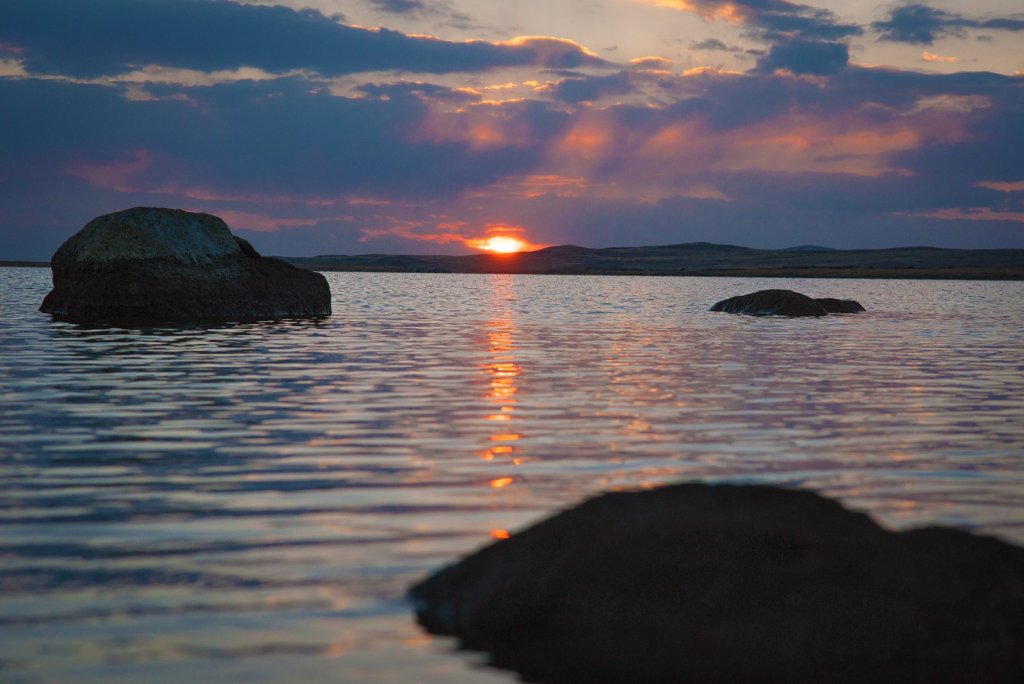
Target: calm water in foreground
point(250, 502)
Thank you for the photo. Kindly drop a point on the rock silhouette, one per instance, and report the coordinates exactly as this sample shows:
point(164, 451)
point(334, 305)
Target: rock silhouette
point(832, 305)
point(167, 265)
point(785, 303)
point(699, 583)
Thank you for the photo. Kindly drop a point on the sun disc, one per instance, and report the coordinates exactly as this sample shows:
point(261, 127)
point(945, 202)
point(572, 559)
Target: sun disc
point(503, 245)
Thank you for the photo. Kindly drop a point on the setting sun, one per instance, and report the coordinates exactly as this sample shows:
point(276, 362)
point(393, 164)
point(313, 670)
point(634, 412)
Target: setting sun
point(502, 244)
point(503, 238)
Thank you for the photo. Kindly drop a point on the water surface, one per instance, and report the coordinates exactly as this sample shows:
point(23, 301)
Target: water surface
point(249, 502)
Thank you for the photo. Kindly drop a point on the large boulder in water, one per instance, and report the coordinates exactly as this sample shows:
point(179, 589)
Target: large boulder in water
point(785, 303)
point(155, 265)
point(700, 583)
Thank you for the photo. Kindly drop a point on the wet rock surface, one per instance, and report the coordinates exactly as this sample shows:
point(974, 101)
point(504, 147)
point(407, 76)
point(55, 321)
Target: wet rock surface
point(699, 583)
point(167, 265)
point(785, 303)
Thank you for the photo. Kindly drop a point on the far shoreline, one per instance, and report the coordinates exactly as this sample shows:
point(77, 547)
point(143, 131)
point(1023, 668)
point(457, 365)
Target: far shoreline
point(849, 273)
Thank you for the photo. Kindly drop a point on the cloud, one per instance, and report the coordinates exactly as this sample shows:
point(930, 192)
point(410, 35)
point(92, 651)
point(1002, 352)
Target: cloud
point(442, 9)
point(771, 19)
point(462, 233)
point(416, 90)
point(591, 88)
point(117, 175)
point(1002, 186)
point(941, 59)
point(398, 6)
point(946, 102)
point(802, 39)
point(712, 45)
point(650, 62)
point(105, 37)
point(805, 149)
point(975, 214)
point(806, 57)
point(252, 138)
point(554, 53)
point(921, 25)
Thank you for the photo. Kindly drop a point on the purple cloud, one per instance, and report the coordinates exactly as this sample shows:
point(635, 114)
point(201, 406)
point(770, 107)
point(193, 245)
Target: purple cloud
point(107, 37)
point(921, 25)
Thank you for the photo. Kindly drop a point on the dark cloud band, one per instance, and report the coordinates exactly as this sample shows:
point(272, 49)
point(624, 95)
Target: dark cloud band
point(106, 37)
point(922, 25)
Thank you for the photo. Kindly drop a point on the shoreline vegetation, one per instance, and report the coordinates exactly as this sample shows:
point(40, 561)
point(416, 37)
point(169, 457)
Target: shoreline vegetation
point(692, 259)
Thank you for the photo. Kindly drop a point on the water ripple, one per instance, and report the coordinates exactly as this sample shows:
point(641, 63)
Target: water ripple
point(249, 501)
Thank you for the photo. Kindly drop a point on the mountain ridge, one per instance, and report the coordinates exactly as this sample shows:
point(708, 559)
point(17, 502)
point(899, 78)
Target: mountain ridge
point(700, 259)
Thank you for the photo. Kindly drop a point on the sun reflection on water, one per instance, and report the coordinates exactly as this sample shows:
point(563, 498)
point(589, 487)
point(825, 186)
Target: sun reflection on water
point(503, 372)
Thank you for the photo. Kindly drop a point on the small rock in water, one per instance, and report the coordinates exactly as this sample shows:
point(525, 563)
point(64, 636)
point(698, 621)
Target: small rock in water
point(165, 265)
point(785, 303)
point(700, 583)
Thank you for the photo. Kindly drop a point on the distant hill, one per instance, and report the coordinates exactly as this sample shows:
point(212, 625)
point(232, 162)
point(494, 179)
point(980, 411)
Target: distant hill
point(809, 248)
point(703, 259)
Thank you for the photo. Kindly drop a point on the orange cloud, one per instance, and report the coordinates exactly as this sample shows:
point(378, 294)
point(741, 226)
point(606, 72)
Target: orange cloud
point(124, 176)
point(590, 138)
point(929, 57)
point(709, 71)
point(1002, 186)
point(818, 146)
point(709, 11)
point(538, 185)
point(12, 68)
point(845, 143)
point(560, 186)
point(652, 64)
point(603, 154)
point(549, 48)
point(586, 139)
point(447, 232)
point(973, 214)
point(483, 126)
point(368, 201)
point(408, 230)
point(135, 93)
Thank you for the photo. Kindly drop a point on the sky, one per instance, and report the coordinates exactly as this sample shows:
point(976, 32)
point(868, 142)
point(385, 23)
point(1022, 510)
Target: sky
point(414, 126)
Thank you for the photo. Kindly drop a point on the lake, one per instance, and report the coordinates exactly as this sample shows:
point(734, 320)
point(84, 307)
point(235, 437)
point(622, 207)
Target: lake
point(249, 502)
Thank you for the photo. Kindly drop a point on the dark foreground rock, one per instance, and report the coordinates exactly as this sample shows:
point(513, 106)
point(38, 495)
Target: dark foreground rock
point(698, 583)
point(785, 303)
point(156, 265)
